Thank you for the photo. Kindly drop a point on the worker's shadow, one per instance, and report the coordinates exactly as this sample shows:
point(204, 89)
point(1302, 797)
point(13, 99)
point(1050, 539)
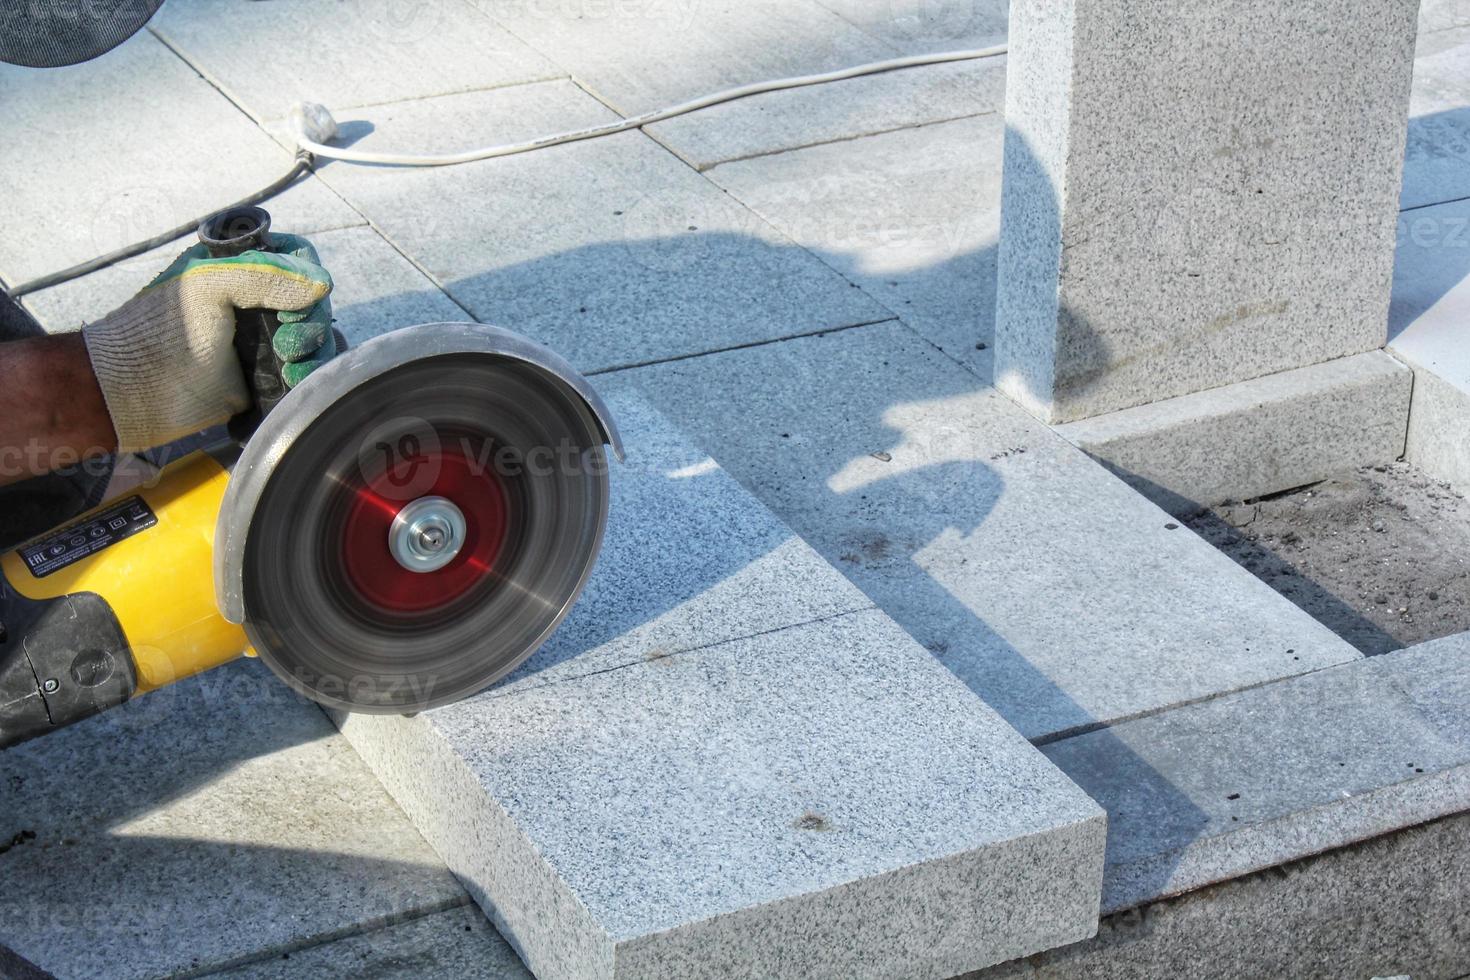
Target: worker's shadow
point(894, 526)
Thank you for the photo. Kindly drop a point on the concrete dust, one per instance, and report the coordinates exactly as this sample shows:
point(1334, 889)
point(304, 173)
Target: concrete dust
point(1381, 555)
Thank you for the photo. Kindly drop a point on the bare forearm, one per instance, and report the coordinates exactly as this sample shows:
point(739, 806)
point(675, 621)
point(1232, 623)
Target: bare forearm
point(52, 414)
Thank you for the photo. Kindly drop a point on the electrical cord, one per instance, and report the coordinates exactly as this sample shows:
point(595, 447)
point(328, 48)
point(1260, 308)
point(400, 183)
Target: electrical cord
point(301, 164)
point(318, 128)
point(315, 126)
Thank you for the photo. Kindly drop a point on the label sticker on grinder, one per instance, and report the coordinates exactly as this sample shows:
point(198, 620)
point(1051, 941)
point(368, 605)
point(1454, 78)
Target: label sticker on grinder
point(70, 544)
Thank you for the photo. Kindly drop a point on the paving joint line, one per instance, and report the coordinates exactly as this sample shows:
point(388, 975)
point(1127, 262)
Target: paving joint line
point(761, 154)
point(734, 347)
point(428, 96)
point(1092, 727)
point(1433, 204)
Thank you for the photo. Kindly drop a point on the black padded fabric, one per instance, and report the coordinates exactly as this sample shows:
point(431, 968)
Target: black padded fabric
point(51, 33)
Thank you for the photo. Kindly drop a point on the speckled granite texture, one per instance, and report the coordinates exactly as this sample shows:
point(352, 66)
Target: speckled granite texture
point(1217, 790)
point(1255, 437)
point(1171, 220)
point(808, 799)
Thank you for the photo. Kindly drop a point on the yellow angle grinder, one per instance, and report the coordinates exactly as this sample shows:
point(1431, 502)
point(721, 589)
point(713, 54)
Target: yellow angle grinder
point(397, 532)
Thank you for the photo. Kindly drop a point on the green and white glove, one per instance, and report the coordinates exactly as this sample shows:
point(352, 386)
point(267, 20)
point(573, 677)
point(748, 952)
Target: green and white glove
point(165, 360)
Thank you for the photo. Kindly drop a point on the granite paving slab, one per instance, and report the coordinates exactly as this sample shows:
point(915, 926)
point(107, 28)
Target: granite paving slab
point(460, 944)
point(345, 55)
point(1437, 157)
point(713, 785)
point(912, 216)
point(1388, 908)
point(821, 801)
point(871, 104)
point(1056, 592)
point(1217, 790)
point(611, 252)
point(85, 174)
point(215, 820)
point(1429, 325)
point(1255, 437)
point(639, 55)
point(925, 26)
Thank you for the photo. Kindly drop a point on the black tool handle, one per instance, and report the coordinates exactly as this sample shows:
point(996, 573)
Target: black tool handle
point(231, 232)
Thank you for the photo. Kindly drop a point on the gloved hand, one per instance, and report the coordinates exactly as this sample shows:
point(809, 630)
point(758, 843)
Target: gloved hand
point(165, 360)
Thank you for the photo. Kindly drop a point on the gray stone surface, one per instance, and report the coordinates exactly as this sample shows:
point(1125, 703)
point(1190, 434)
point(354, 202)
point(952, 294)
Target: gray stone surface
point(690, 786)
point(161, 148)
point(345, 55)
point(626, 256)
point(214, 820)
point(1439, 15)
point(820, 801)
point(459, 944)
point(923, 26)
point(711, 565)
point(1437, 158)
point(1255, 437)
point(1428, 323)
point(1214, 791)
point(1221, 240)
point(1439, 428)
point(843, 110)
point(1048, 585)
point(1390, 907)
point(911, 216)
point(374, 288)
point(640, 55)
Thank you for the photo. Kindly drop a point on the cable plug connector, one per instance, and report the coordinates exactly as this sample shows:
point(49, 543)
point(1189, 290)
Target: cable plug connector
point(313, 122)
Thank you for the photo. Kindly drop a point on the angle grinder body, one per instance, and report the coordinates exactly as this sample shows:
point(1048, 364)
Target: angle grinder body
point(397, 532)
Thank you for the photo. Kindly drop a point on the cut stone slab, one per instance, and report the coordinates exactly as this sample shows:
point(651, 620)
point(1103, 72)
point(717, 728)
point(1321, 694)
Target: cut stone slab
point(843, 110)
point(1214, 791)
point(821, 801)
point(647, 54)
point(460, 944)
point(1197, 251)
point(1430, 328)
point(374, 288)
point(1058, 594)
point(215, 820)
point(923, 26)
point(166, 148)
point(813, 800)
point(1391, 907)
point(345, 55)
point(1437, 157)
point(627, 256)
point(911, 216)
point(1255, 437)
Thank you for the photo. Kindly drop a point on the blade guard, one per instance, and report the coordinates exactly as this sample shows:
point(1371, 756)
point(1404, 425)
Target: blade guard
point(333, 381)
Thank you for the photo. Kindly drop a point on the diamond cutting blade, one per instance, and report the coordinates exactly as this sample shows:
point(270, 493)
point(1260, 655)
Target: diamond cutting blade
point(424, 532)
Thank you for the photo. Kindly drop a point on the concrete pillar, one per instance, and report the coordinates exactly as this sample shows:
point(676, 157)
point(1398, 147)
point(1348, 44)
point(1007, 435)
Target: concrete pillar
point(1197, 192)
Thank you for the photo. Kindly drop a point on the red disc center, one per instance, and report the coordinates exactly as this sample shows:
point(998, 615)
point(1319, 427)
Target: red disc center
point(379, 577)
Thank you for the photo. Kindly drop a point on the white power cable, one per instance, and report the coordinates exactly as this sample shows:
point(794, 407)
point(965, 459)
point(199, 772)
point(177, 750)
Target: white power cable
point(315, 127)
point(314, 124)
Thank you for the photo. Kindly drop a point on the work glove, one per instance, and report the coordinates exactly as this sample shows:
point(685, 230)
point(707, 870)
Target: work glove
point(165, 360)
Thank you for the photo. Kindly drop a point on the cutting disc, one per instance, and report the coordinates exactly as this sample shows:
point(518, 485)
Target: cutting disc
point(425, 532)
point(52, 33)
